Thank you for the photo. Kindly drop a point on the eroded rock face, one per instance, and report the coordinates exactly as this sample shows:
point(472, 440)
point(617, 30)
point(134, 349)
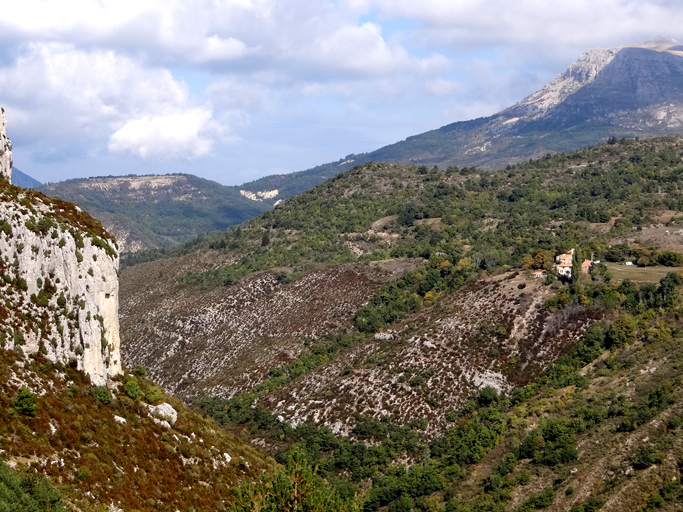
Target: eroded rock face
point(58, 279)
point(5, 149)
point(60, 289)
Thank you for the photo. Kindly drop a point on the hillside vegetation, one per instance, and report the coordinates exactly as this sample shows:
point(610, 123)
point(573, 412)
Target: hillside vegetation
point(484, 390)
point(157, 211)
point(103, 447)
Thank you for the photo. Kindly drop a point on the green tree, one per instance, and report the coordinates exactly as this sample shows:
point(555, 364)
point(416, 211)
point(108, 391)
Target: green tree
point(132, 388)
point(576, 265)
point(295, 488)
point(28, 492)
point(101, 394)
point(26, 403)
point(621, 332)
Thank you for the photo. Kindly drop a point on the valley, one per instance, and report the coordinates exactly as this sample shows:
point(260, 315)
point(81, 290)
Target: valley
point(483, 318)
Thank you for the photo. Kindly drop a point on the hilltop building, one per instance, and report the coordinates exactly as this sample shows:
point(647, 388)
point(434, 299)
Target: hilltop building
point(563, 264)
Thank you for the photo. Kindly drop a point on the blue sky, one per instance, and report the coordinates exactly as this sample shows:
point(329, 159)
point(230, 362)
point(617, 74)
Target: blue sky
point(232, 90)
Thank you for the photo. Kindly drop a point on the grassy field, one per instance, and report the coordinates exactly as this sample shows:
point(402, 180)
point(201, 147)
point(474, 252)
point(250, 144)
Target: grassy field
point(640, 274)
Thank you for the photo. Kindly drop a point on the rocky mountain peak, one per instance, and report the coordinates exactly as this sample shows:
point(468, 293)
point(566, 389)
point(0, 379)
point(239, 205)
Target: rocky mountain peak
point(580, 73)
point(5, 149)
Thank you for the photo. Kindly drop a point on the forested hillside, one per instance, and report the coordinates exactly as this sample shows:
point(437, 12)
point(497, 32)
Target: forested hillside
point(385, 324)
point(157, 211)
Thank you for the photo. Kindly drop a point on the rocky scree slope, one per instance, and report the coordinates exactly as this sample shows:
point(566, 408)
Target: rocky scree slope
point(489, 333)
point(223, 341)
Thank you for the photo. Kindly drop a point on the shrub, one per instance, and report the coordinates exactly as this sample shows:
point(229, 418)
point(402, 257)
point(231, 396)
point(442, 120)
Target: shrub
point(402, 504)
point(647, 457)
point(82, 473)
point(154, 395)
point(670, 259)
point(296, 487)
point(26, 403)
point(140, 371)
point(102, 394)
point(621, 332)
point(132, 388)
point(487, 395)
point(27, 492)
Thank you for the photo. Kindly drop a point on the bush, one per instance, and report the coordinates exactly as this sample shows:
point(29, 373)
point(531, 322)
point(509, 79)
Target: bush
point(102, 394)
point(647, 457)
point(296, 487)
point(403, 504)
point(154, 395)
point(140, 371)
point(28, 492)
point(26, 403)
point(132, 388)
point(487, 395)
point(621, 332)
point(552, 443)
point(82, 473)
point(670, 259)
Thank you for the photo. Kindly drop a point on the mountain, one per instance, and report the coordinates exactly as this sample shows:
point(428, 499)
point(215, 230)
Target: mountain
point(387, 323)
point(24, 180)
point(632, 91)
point(157, 211)
point(635, 90)
point(326, 263)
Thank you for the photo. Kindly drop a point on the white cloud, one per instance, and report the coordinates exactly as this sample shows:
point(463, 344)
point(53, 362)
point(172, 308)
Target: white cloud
point(217, 48)
point(165, 137)
point(91, 77)
point(360, 49)
point(59, 96)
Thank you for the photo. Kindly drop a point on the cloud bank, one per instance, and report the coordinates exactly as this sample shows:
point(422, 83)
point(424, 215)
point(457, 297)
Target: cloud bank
point(153, 81)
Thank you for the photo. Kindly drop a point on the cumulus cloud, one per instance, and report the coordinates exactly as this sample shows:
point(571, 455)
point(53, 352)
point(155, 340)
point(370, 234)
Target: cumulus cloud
point(90, 77)
point(57, 95)
point(165, 136)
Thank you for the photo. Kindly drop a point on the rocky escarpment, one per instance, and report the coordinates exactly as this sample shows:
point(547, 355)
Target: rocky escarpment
point(5, 149)
point(58, 279)
point(223, 341)
point(490, 333)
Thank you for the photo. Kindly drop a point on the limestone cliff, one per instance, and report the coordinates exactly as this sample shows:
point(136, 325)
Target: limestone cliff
point(58, 279)
point(59, 282)
point(5, 149)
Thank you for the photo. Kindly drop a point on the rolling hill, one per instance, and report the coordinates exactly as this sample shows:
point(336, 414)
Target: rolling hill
point(387, 324)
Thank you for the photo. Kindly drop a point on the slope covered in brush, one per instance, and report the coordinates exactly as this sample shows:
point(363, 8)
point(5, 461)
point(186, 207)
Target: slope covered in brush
point(386, 324)
point(376, 246)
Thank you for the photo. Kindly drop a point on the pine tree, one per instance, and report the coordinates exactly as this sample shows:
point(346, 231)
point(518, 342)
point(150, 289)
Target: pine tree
point(577, 259)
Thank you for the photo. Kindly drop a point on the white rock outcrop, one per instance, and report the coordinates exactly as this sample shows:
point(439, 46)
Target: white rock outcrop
point(5, 149)
point(58, 279)
point(60, 288)
point(164, 412)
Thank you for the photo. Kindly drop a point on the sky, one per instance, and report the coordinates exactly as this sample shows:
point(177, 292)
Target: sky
point(232, 90)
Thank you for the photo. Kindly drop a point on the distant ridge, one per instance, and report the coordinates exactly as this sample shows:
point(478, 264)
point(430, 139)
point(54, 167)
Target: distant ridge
point(24, 180)
point(635, 90)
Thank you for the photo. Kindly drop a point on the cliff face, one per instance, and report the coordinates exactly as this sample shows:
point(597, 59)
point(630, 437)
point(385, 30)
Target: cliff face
point(5, 149)
point(58, 279)
point(60, 285)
